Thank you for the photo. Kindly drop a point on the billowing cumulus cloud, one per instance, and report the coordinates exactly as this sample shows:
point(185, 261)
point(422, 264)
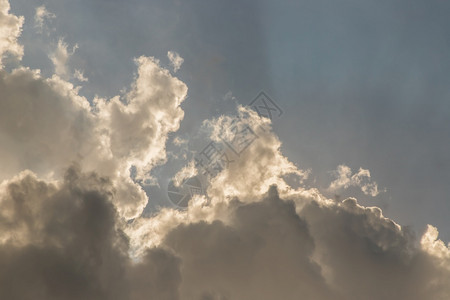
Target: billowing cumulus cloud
point(45, 125)
point(261, 252)
point(360, 251)
point(63, 241)
point(138, 128)
point(239, 243)
point(341, 251)
point(10, 30)
point(70, 210)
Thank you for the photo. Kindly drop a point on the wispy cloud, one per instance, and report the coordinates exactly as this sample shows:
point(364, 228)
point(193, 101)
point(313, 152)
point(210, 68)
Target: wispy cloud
point(60, 58)
point(41, 16)
point(345, 179)
point(175, 60)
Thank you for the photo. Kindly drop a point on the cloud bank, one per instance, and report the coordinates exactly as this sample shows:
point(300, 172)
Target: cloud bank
point(70, 210)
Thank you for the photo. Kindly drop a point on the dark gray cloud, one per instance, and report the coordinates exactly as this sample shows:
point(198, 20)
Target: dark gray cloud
point(63, 242)
point(339, 251)
point(264, 253)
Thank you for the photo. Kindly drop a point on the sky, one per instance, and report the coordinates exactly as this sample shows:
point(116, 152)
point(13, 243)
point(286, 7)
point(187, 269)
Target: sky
point(224, 150)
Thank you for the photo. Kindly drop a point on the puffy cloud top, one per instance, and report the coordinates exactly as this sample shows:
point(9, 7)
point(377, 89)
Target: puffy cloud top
point(10, 30)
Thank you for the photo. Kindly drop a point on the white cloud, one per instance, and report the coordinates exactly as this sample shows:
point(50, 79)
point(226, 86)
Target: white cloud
point(435, 247)
point(361, 179)
point(41, 16)
point(272, 248)
point(178, 141)
point(45, 126)
point(78, 74)
point(10, 30)
point(61, 61)
point(175, 60)
point(259, 163)
point(268, 248)
point(60, 58)
point(138, 129)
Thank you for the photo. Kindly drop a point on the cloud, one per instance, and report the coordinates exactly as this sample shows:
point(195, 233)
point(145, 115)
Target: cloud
point(262, 252)
point(361, 179)
point(229, 96)
point(139, 128)
point(239, 243)
point(10, 30)
point(435, 247)
point(45, 125)
point(63, 241)
point(175, 60)
point(71, 224)
point(360, 250)
point(60, 58)
point(258, 161)
point(41, 16)
point(302, 248)
point(79, 76)
point(135, 132)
